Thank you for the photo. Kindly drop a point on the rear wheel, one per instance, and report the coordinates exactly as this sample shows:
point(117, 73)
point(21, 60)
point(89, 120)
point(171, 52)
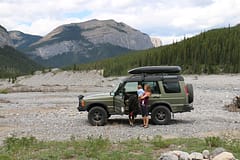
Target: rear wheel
point(161, 115)
point(190, 93)
point(97, 116)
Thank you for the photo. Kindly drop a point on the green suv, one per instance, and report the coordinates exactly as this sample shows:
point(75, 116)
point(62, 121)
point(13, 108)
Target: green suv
point(170, 94)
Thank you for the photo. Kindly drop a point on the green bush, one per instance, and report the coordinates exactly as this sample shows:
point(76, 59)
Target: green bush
point(213, 141)
point(4, 91)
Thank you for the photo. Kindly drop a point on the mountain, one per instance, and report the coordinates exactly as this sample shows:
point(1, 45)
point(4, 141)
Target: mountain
point(85, 42)
point(4, 37)
point(157, 42)
point(12, 62)
point(21, 40)
point(212, 52)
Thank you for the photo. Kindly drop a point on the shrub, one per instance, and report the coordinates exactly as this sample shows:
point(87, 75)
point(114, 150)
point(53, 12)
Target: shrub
point(4, 91)
point(213, 141)
point(235, 105)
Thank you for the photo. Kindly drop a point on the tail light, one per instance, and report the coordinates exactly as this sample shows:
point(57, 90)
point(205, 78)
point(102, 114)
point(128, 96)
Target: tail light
point(186, 90)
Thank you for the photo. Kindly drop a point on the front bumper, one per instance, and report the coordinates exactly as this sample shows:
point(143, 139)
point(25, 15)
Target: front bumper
point(81, 109)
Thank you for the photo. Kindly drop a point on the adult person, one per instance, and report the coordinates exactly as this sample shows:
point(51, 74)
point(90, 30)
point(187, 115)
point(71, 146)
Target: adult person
point(144, 105)
point(134, 105)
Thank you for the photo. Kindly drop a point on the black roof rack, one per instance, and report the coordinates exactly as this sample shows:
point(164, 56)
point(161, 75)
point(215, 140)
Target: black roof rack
point(156, 70)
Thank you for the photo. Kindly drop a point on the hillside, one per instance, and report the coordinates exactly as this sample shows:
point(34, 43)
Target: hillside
point(22, 40)
point(85, 42)
point(14, 63)
point(4, 37)
point(214, 51)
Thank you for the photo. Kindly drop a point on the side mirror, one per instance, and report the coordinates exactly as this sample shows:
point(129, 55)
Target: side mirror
point(112, 93)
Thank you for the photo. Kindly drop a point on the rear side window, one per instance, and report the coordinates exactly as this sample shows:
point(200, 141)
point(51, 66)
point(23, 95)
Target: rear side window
point(171, 87)
point(154, 87)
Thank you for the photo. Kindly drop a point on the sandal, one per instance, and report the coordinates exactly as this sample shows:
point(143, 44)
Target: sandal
point(146, 126)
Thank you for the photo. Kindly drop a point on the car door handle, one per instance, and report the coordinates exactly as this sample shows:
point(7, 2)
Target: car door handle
point(156, 96)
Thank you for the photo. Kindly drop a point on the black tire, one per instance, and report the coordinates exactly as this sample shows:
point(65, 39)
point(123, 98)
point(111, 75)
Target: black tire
point(97, 116)
point(161, 115)
point(190, 93)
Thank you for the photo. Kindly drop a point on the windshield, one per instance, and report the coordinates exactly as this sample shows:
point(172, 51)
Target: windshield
point(117, 87)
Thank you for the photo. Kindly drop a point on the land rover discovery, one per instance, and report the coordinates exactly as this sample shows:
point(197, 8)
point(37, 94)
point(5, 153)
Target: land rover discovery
point(170, 94)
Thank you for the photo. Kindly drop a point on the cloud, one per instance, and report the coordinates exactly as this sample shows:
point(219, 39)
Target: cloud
point(167, 19)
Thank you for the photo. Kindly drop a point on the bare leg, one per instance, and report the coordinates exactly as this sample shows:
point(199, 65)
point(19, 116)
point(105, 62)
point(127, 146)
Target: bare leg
point(147, 121)
point(144, 121)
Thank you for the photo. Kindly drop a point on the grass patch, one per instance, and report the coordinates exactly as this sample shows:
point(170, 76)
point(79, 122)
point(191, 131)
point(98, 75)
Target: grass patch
point(102, 149)
point(4, 91)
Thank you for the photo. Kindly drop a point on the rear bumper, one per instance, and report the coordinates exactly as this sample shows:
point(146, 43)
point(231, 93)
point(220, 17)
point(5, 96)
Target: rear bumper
point(184, 108)
point(188, 107)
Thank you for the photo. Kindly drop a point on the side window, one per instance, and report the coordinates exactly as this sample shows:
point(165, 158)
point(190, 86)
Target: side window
point(154, 87)
point(131, 87)
point(171, 86)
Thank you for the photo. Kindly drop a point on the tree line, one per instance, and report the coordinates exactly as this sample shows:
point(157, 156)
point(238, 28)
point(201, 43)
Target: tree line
point(13, 63)
point(212, 52)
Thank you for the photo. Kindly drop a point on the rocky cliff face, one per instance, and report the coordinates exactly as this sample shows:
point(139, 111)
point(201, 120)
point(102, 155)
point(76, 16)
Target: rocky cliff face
point(87, 37)
point(21, 40)
point(118, 34)
point(157, 42)
point(5, 40)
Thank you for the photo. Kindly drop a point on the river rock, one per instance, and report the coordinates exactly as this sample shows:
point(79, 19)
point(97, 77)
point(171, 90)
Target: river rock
point(206, 154)
point(217, 151)
point(182, 155)
point(196, 156)
point(169, 156)
point(224, 156)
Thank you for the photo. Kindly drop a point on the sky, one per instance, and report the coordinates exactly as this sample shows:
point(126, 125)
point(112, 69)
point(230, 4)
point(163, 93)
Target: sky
point(170, 20)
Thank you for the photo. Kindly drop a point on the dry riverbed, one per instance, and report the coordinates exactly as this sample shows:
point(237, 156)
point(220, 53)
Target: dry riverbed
point(45, 106)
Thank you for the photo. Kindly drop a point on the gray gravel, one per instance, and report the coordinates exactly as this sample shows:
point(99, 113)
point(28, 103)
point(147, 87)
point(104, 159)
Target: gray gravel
point(54, 115)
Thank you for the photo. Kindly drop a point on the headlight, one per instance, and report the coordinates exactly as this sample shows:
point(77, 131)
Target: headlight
point(82, 103)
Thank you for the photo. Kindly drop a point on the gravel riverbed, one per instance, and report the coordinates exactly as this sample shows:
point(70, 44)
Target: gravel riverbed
point(51, 114)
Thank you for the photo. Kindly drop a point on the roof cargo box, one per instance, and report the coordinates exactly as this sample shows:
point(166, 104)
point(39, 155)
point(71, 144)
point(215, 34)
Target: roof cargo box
point(156, 69)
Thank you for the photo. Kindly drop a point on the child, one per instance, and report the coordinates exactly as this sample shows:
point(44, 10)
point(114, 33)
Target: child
point(140, 91)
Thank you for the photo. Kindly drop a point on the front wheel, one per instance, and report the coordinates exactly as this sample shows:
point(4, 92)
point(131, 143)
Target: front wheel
point(97, 116)
point(161, 115)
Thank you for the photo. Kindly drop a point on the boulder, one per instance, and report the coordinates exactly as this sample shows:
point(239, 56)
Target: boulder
point(182, 155)
point(224, 156)
point(217, 151)
point(196, 156)
point(169, 156)
point(206, 154)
